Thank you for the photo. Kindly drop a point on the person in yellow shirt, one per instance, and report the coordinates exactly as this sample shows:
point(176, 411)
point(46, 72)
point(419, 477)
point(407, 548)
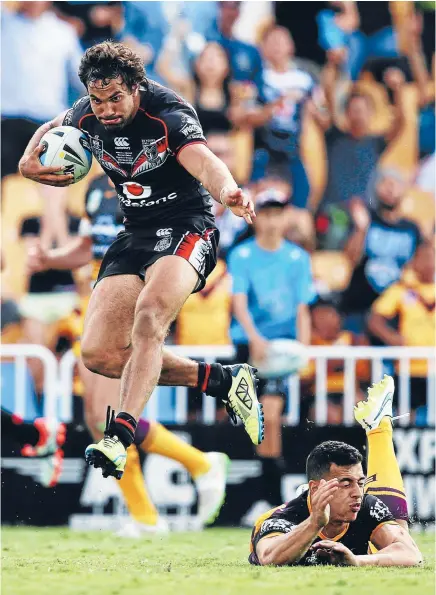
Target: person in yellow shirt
point(405, 315)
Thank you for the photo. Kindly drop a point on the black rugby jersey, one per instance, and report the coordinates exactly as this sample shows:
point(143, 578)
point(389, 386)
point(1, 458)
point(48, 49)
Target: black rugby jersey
point(355, 537)
point(103, 220)
point(141, 158)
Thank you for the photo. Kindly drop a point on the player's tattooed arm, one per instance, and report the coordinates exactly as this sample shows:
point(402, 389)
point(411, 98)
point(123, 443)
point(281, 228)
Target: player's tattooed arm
point(30, 165)
point(215, 176)
point(395, 548)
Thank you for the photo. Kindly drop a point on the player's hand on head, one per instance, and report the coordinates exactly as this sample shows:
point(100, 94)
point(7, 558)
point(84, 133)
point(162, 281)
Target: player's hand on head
point(32, 168)
point(336, 553)
point(239, 203)
point(320, 501)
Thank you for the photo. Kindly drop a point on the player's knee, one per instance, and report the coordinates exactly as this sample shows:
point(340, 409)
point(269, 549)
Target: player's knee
point(104, 362)
point(151, 323)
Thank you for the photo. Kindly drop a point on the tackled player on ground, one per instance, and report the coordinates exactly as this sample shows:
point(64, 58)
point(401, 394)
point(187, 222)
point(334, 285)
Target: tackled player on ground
point(344, 518)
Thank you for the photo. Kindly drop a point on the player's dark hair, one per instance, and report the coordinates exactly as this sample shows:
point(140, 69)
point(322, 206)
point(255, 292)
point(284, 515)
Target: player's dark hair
point(322, 456)
point(110, 60)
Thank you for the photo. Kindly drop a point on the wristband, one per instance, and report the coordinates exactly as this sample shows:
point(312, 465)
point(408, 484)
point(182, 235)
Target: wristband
point(223, 189)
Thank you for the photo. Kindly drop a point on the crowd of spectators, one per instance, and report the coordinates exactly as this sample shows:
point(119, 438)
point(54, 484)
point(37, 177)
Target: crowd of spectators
point(343, 136)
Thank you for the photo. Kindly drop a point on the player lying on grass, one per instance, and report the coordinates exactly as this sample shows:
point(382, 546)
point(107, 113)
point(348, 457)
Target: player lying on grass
point(344, 518)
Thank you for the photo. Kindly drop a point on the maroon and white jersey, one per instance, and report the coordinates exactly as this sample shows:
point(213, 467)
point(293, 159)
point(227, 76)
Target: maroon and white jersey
point(141, 158)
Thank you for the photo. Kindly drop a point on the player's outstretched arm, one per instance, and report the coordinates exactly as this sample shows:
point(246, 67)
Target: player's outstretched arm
point(289, 548)
point(201, 163)
point(396, 548)
point(73, 255)
point(30, 166)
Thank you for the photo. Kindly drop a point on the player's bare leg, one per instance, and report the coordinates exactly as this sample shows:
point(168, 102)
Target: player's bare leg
point(108, 325)
point(107, 346)
point(169, 283)
point(107, 339)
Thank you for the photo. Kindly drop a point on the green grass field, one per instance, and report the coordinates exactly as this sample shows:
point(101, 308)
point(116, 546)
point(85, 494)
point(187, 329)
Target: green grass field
point(60, 562)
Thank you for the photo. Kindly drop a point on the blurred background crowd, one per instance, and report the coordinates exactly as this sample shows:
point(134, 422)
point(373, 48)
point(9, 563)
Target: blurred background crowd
point(325, 110)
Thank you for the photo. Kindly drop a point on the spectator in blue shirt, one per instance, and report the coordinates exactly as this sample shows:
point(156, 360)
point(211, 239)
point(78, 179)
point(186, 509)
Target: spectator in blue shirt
point(272, 290)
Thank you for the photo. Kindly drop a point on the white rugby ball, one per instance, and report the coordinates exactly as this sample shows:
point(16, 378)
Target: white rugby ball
point(66, 146)
point(284, 357)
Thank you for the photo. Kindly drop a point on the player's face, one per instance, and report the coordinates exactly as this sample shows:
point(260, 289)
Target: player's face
point(347, 500)
point(113, 103)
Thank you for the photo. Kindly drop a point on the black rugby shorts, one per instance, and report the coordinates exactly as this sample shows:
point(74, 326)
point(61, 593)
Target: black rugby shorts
point(195, 239)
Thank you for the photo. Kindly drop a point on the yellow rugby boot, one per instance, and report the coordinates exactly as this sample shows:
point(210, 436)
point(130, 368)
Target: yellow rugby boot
point(109, 454)
point(242, 401)
point(377, 405)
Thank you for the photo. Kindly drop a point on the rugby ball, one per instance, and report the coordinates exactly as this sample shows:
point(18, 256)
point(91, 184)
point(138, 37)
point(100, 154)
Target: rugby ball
point(66, 146)
point(284, 357)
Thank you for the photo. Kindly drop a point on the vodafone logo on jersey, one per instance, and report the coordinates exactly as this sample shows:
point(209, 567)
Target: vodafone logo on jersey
point(135, 190)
